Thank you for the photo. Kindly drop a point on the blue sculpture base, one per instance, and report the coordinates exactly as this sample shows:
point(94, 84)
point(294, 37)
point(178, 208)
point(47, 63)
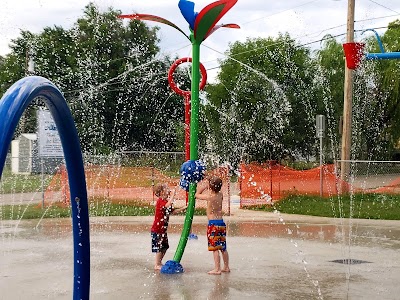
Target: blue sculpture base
point(171, 267)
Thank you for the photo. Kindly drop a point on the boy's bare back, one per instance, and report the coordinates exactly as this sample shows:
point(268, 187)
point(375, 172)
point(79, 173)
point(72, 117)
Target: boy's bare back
point(214, 198)
point(214, 205)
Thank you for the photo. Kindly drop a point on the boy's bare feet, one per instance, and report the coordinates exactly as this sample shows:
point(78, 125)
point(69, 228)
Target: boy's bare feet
point(214, 272)
point(226, 270)
point(157, 267)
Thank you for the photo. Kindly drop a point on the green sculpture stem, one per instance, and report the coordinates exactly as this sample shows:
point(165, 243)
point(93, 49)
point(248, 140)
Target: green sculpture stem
point(194, 137)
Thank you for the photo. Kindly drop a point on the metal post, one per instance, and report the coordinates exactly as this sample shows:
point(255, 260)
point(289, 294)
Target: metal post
point(321, 173)
point(42, 170)
point(152, 182)
point(320, 129)
point(270, 173)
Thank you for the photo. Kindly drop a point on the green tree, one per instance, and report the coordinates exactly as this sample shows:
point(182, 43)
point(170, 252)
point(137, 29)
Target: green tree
point(112, 77)
point(375, 105)
point(14, 67)
point(384, 96)
point(119, 82)
point(263, 105)
point(330, 75)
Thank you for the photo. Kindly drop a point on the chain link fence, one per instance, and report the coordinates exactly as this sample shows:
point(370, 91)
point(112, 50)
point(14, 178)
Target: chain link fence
point(373, 175)
point(127, 176)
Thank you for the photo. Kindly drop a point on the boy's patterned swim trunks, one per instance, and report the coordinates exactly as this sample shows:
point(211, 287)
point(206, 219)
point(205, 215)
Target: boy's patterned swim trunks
point(216, 235)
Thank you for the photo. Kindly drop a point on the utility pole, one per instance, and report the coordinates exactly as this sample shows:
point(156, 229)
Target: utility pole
point(347, 104)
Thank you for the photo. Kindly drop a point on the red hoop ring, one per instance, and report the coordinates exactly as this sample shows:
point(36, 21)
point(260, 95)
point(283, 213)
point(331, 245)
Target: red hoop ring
point(171, 78)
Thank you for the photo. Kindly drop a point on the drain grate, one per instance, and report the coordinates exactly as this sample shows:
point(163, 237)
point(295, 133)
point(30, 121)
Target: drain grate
point(350, 261)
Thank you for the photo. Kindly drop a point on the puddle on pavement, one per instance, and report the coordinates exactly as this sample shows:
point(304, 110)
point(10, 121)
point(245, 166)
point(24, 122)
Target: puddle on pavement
point(388, 237)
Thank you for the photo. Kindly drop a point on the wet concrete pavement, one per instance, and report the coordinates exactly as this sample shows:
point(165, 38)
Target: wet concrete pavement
point(273, 256)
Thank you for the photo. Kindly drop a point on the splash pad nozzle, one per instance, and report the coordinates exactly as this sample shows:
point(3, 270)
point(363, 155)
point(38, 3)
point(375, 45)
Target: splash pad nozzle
point(172, 267)
point(353, 53)
point(192, 171)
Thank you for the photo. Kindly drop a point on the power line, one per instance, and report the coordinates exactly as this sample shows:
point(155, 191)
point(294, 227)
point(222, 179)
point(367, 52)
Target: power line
point(280, 12)
point(108, 82)
point(377, 18)
point(307, 35)
point(323, 30)
point(277, 43)
point(383, 6)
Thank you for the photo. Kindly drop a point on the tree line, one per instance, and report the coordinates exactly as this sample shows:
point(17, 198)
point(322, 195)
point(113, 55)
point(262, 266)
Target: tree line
point(262, 106)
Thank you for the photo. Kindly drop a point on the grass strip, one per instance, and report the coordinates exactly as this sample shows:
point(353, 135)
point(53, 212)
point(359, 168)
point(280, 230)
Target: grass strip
point(357, 206)
point(96, 209)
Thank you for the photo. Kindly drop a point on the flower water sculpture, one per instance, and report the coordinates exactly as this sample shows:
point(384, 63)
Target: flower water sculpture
point(201, 25)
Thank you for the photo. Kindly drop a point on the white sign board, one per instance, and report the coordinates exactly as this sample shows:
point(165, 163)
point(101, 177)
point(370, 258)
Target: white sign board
point(49, 140)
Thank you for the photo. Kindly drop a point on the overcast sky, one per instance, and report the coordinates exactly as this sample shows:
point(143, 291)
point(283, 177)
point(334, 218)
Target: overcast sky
point(304, 20)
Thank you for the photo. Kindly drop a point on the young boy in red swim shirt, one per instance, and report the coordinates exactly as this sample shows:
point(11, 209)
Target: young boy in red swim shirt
point(159, 237)
point(216, 230)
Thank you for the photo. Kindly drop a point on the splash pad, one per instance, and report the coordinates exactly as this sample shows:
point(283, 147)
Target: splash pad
point(255, 270)
point(265, 263)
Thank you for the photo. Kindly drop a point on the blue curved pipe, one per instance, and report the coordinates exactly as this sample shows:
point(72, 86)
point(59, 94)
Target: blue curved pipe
point(378, 38)
point(12, 105)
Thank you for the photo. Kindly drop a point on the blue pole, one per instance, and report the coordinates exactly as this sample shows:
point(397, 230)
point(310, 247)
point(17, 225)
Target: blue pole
point(386, 55)
point(12, 105)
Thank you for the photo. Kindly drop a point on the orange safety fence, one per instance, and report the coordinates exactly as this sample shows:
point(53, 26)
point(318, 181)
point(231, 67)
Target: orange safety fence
point(123, 184)
point(268, 182)
point(392, 188)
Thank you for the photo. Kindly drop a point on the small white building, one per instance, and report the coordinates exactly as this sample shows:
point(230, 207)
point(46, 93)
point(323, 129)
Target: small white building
point(25, 158)
point(24, 153)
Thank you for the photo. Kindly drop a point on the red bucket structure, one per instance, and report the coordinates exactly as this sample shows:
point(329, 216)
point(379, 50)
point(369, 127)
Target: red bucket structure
point(353, 53)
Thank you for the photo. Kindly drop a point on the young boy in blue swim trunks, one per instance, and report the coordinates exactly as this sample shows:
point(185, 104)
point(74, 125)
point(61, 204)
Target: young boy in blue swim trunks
point(216, 230)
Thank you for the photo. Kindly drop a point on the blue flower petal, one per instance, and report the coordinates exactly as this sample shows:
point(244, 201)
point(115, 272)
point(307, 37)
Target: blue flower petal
point(187, 10)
